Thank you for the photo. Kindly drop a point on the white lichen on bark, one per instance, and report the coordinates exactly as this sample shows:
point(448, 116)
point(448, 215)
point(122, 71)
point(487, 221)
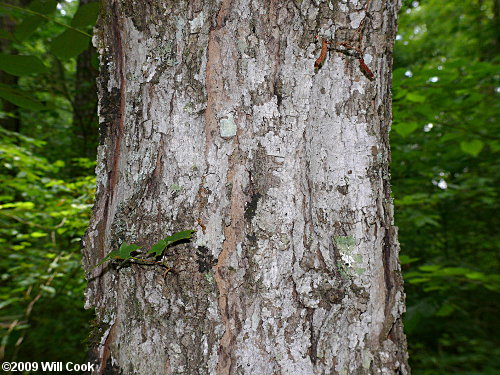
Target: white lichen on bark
point(215, 119)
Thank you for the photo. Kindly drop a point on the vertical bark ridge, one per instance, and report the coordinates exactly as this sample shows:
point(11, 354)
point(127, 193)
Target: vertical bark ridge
point(118, 127)
point(216, 100)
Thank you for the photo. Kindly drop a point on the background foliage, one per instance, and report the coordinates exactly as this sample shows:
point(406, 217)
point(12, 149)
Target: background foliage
point(47, 152)
point(444, 141)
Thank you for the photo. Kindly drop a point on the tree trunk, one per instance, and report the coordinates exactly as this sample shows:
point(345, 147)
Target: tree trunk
point(85, 122)
point(214, 118)
point(12, 121)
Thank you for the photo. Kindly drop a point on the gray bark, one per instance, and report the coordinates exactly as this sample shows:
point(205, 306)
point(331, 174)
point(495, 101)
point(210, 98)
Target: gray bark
point(213, 118)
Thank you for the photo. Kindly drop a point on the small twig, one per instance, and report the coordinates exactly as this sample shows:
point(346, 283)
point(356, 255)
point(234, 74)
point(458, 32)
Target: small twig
point(63, 221)
point(348, 49)
point(33, 224)
point(324, 50)
point(24, 221)
point(148, 260)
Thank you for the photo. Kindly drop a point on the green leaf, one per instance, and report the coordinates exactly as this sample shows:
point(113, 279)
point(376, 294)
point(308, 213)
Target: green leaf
point(414, 97)
point(179, 236)
point(30, 23)
point(158, 248)
point(20, 99)
point(112, 255)
point(398, 94)
point(8, 302)
point(25, 206)
point(473, 147)
point(494, 146)
point(445, 310)
point(20, 65)
point(43, 6)
point(405, 259)
point(126, 249)
point(453, 271)
point(38, 234)
point(405, 128)
point(450, 137)
point(122, 253)
point(430, 267)
point(28, 26)
point(86, 15)
point(69, 44)
point(475, 275)
point(418, 280)
point(421, 220)
point(49, 289)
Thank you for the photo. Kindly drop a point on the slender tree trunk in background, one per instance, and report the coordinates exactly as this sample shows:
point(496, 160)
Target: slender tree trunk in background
point(85, 110)
point(214, 118)
point(12, 122)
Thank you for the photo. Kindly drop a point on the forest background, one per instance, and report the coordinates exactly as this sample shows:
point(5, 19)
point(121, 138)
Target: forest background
point(444, 141)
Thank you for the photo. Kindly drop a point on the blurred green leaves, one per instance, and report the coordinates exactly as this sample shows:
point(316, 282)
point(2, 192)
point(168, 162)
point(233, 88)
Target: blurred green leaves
point(444, 177)
point(42, 219)
point(20, 98)
point(473, 147)
point(31, 22)
point(71, 43)
point(438, 277)
point(405, 128)
point(19, 65)
point(46, 187)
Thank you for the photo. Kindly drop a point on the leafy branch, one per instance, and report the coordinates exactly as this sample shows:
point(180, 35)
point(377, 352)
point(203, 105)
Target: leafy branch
point(124, 253)
point(32, 12)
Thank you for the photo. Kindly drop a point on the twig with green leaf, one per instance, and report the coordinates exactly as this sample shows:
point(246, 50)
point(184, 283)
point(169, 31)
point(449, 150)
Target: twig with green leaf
point(124, 253)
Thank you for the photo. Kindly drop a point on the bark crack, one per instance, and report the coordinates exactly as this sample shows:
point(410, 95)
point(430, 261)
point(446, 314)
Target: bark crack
point(118, 128)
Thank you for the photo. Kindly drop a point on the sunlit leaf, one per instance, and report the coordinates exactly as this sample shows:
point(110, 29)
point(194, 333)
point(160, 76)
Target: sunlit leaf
point(19, 205)
point(405, 128)
point(430, 267)
point(473, 147)
point(49, 289)
point(475, 275)
point(414, 97)
point(7, 302)
point(418, 280)
point(38, 234)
